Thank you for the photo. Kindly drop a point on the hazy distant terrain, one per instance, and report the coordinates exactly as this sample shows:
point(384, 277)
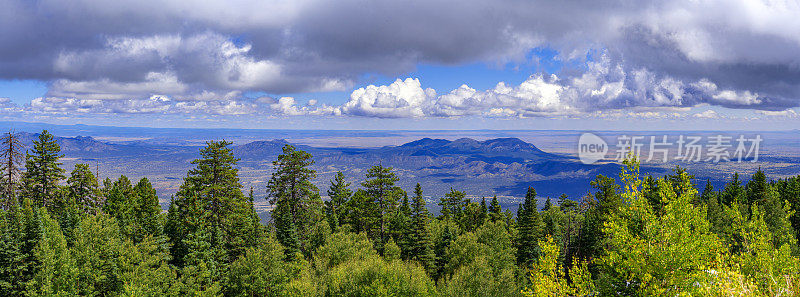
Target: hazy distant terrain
point(481, 163)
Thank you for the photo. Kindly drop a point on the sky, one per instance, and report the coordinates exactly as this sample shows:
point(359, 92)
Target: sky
point(351, 64)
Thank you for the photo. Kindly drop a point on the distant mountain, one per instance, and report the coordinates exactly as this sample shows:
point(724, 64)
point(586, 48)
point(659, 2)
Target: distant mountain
point(501, 166)
point(260, 149)
point(71, 144)
point(511, 147)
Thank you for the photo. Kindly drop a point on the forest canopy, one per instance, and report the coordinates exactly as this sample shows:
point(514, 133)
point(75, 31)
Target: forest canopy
point(67, 234)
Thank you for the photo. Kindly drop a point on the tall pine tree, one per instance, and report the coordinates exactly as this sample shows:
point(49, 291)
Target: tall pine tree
point(379, 186)
point(421, 244)
point(84, 189)
point(529, 225)
point(298, 206)
point(42, 171)
point(339, 193)
point(210, 205)
point(495, 211)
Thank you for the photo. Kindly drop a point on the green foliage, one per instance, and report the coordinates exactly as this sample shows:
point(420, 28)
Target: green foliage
point(339, 193)
point(647, 254)
point(377, 277)
point(210, 202)
point(451, 204)
point(261, 271)
point(383, 194)
point(21, 228)
point(84, 189)
point(42, 171)
point(530, 227)
point(421, 245)
point(655, 236)
point(548, 277)
point(762, 259)
point(57, 275)
point(481, 264)
point(340, 248)
point(298, 206)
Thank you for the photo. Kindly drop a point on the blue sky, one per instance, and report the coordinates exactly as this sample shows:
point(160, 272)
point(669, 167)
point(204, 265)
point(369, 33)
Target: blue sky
point(403, 65)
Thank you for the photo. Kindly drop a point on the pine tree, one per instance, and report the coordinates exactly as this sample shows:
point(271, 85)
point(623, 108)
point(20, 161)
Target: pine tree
point(21, 233)
point(211, 201)
point(440, 250)
point(339, 193)
point(421, 245)
point(547, 204)
point(757, 187)
point(708, 193)
point(42, 175)
point(495, 211)
point(146, 211)
point(451, 204)
point(360, 212)
point(734, 192)
point(400, 227)
point(566, 204)
point(379, 186)
point(298, 206)
point(604, 202)
point(117, 203)
point(58, 273)
point(84, 189)
point(12, 156)
point(529, 224)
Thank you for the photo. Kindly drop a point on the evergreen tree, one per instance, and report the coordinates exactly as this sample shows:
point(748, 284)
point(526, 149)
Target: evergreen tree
point(440, 250)
point(339, 193)
point(210, 201)
point(757, 187)
point(495, 211)
point(58, 271)
point(547, 204)
point(400, 227)
point(734, 192)
point(451, 204)
point(84, 189)
point(298, 206)
point(146, 211)
point(360, 212)
point(421, 245)
point(117, 203)
point(380, 187)
point(600, 206)
point(529, 225)
point(21, 233)
point(708, 193)
point(566, 204)
point(42, 175)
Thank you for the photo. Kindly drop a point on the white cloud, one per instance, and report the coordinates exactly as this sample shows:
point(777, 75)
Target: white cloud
point(788, 113)
point(402, 98)
point(708, 114)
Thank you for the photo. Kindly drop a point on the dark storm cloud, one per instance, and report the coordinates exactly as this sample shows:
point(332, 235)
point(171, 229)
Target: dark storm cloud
point(740, 54)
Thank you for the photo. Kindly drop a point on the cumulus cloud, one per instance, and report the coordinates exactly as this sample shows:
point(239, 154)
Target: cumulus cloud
point(604, 87)
point(738, 54)
point(402, 98)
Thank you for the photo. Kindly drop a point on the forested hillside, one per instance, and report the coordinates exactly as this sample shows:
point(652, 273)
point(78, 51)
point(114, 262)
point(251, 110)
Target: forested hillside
point(66, 234)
